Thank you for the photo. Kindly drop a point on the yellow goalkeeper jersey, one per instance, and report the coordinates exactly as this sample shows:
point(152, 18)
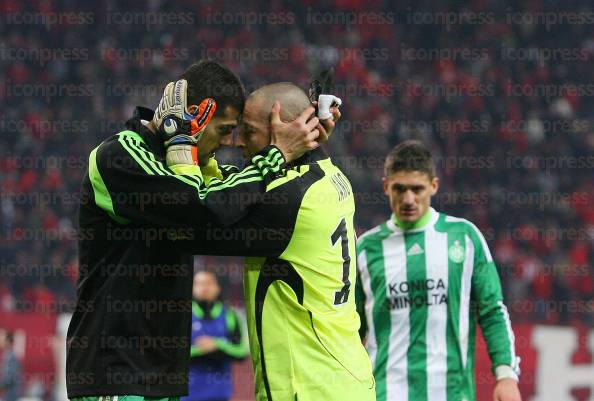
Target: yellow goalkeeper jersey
point(302, 318)
point(299, 284)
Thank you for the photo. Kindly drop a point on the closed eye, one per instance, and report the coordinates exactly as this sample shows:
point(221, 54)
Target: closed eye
point(248, 129)
point(226, 129)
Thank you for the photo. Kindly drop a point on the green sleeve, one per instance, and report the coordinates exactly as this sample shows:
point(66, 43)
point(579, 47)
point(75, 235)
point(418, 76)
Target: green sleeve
point(131, 184)
point(492, 314)
point(267, 228)
point(235, 345)
point(195, 351)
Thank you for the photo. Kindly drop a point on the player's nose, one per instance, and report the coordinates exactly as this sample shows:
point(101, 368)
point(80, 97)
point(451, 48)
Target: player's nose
point(226, 140)
point(239, 142)
point(408, 198)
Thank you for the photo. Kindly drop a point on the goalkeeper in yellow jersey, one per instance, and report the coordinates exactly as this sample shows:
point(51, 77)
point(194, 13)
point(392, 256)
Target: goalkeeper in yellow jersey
point(300, 273)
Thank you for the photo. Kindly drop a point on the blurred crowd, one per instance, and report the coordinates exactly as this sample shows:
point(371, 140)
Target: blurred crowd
point(502, 92)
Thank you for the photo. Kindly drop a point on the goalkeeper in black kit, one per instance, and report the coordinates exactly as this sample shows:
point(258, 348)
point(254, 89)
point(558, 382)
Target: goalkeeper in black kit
point(142, 193)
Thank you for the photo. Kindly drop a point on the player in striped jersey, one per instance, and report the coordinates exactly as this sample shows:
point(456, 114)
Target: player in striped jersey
point(425, 280)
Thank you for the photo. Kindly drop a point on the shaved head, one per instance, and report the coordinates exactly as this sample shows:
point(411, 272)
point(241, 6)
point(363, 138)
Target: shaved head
point(292, 98)
point(255, 127)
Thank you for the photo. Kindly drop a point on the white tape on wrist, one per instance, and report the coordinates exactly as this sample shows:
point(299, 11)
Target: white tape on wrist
point(324, 104)
point(505, 372)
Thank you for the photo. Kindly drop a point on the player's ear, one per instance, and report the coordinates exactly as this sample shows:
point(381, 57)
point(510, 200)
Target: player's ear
point(434, 185)
point(385, 183)
point(267, 136)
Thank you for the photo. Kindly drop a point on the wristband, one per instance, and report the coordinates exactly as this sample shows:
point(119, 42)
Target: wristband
point(181, 149)
point(505, 372)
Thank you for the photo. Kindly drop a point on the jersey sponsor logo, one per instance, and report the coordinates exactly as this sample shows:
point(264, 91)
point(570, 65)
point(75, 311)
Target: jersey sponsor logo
point(342, 186)
point(399, 294)
point(456, 252)
point(415, 250)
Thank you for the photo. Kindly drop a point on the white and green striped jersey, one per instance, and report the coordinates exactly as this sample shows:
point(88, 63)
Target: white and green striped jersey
point(420, 293)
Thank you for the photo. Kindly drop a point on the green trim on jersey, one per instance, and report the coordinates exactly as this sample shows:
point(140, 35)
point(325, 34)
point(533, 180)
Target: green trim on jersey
point(415, 224)
point(417, 356)
point(197, 310)
point(124, 398)
point(238, 351)
point(454, 379)
point(133, 143)
point(426, 289)
point(102, 196)
point(380, 314)
point(216, 310)
point(231, 320)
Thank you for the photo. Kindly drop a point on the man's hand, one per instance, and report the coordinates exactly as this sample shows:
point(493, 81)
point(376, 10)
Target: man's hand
point(206, 344)
point(326, 127)
point(506, 390)
point(296, 137)
point(181, 127)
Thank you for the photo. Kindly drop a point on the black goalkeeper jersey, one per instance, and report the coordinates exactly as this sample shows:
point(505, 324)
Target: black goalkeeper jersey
point(129, 334)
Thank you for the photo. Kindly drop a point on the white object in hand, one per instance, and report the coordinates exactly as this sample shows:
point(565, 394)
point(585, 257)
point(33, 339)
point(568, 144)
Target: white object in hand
point(324, 104)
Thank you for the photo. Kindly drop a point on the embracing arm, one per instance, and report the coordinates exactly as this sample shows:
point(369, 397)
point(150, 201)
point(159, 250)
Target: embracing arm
point(132, 185)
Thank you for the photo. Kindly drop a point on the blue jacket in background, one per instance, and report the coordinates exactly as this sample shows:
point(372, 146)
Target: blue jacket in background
point(210, 374)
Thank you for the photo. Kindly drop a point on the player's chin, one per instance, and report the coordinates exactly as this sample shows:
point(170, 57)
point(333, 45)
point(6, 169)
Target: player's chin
point(209, 155)
point(408, 215)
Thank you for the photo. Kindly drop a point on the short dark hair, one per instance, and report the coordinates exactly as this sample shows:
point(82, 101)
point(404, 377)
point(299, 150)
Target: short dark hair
point(411, 155)
point(207, 78)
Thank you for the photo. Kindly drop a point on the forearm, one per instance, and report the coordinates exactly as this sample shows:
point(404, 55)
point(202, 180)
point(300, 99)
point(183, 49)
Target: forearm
point(225, 350)
point(128, 182)
point(230, 198)
point(232, 350)
point(196, 351)
point(499, 337)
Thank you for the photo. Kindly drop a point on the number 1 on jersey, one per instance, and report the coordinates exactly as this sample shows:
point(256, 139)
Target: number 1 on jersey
point(342, 296)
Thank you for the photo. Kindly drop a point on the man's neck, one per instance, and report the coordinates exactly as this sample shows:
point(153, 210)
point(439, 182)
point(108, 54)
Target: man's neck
point(309, 157)
point(413, 225)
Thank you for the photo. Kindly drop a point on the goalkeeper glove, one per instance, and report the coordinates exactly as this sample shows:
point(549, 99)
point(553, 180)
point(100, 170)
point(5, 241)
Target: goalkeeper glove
point(180, 129)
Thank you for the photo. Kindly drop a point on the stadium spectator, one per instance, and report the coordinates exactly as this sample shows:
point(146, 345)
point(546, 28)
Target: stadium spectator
point(218, 338)
point(11, 373)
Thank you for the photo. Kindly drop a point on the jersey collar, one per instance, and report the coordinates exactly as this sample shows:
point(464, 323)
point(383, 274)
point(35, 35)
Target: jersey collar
point(309, 157)
point(203, 309)
point(429, 219)
point(135, 124)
